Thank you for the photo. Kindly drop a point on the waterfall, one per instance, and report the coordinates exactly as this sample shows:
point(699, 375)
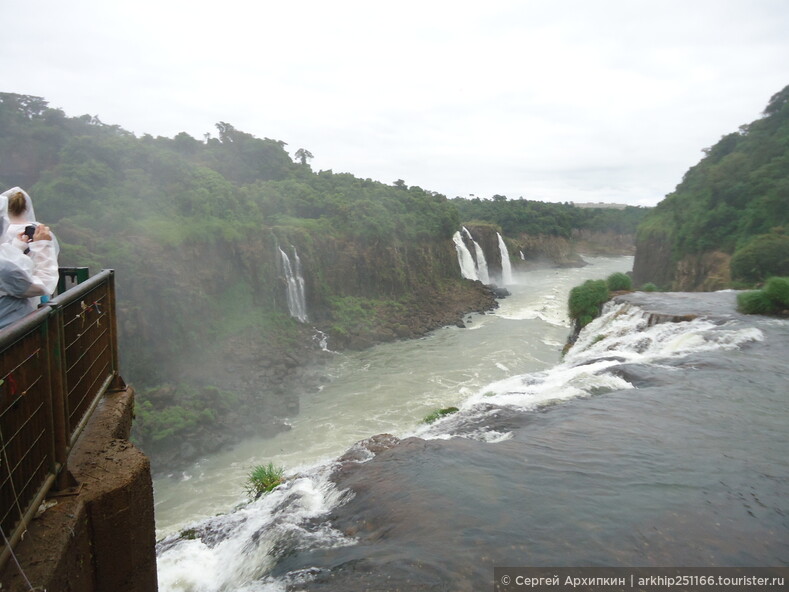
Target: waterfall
point(506, 265)
point(522, 255)
point(482, 265)
point(467, 268)
point(297, 301)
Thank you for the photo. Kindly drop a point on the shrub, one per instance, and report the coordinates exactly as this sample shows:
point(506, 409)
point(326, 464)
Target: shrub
point(763, 256)
point(619, 281)
point(439, 413)
point(586, 301)
point(263, 478)
point(649, 287)
point(756, 302)
point(777, 288)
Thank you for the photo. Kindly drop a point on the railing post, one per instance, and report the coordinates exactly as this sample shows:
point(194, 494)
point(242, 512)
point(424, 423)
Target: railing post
point(57, 373)
point(117, 382)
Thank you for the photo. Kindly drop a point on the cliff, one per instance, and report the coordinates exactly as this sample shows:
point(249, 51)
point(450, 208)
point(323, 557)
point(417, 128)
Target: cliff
point(209, 331)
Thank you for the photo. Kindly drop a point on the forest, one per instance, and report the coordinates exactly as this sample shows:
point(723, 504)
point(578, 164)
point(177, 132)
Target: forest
point(193, 228)
point(523, 216)
point(734, 201)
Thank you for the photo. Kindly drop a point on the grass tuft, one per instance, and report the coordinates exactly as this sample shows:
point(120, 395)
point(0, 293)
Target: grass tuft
point(264, 478)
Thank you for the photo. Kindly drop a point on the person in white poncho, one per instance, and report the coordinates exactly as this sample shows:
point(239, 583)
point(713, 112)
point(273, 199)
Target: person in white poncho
point(19, 210)
point(28, 267)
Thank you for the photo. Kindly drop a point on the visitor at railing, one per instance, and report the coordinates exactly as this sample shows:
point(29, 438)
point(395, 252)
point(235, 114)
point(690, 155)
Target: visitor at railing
point(24, 278)
point(18, 207)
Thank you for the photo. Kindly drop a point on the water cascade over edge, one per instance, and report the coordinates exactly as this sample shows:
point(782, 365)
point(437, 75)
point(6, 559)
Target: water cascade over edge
point(297, 301)
point(506, 265)
point(467, 268)
point(482, 264)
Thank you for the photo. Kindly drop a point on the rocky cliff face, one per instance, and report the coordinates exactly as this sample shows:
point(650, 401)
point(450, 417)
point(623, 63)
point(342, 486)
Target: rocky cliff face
point(603, 243)
point(705, 272)
point(653, 262)
point(546, 250)
point(701, 272)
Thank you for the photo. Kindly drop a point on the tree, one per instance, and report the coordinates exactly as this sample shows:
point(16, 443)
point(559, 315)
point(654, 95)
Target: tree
point(303, 155)
point(777, 101)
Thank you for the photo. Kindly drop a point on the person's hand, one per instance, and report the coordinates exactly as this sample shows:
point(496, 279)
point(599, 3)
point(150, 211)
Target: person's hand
point(42, 233)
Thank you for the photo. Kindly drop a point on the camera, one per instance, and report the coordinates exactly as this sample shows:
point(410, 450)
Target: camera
point(30, 230)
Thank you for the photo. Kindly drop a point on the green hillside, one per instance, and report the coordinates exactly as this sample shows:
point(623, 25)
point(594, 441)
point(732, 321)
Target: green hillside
point(735, 199)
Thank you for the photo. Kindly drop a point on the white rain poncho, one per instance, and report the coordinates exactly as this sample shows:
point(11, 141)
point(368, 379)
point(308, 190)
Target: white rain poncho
point(15, 225)
point(23, 277)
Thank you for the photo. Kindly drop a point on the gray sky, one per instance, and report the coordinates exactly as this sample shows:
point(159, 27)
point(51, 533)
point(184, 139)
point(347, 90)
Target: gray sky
point(584, 100)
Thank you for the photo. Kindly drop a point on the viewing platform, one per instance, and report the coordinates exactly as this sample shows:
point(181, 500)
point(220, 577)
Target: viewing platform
point(76, 500)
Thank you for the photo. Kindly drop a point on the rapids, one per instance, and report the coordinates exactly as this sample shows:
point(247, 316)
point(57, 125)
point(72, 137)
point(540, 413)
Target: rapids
point(648, 444)
point(390, 388)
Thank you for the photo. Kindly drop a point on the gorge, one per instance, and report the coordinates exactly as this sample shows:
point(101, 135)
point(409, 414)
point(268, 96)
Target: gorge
point(271, 313)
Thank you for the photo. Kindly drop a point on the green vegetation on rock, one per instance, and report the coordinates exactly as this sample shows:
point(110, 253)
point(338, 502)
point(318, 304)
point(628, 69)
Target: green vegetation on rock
point(777, 288)
point(619, 281)
point(263, 479)
point(586, 301)
point(771, 300)
point(761, 257)
point(439, 413)
point(755, 302)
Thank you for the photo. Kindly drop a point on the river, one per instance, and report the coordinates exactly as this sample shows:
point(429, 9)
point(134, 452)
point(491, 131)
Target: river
point(647, 445)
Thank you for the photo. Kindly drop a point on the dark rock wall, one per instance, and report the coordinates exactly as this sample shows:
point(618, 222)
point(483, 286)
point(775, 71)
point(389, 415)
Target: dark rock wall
point(655, 263)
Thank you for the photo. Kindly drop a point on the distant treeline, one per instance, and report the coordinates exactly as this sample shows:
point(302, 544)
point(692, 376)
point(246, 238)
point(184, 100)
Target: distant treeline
point(84, 173)
point(523, 216)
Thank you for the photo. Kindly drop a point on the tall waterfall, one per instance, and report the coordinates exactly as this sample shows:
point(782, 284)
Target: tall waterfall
point(467, 268)
point(297, 301)
point(482, 265)
point(506, 265)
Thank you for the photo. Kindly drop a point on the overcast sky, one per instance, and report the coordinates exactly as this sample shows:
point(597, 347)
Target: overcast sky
point(556, 100)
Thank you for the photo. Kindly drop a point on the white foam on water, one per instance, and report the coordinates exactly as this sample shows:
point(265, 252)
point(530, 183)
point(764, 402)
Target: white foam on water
point(240, 547)
point(622, 334)
point(624, 330)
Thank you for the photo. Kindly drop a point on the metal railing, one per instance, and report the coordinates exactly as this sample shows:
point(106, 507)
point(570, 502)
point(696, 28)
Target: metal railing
point(55, 365)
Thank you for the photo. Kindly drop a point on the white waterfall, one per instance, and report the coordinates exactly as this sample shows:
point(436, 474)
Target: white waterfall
point(506, 265)
point(482, 265)
point(297, 301)
point(467, 268)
